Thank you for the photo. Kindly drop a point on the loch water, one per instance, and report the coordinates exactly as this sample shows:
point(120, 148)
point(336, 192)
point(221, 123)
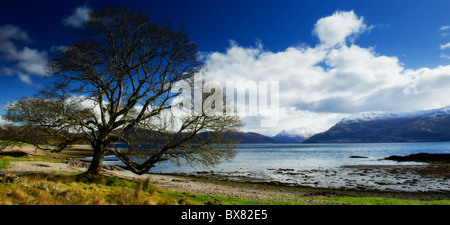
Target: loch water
point(255, 157)
point(349, 165)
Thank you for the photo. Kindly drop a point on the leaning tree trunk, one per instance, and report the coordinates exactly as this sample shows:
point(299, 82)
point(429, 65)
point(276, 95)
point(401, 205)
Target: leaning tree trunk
point(97, 161)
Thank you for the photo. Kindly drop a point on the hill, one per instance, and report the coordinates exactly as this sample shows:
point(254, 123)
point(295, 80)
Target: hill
point(285, 137)
point(422, 126)
point(251, 137)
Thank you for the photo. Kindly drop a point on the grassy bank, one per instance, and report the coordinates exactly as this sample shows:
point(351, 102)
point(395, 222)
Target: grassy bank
point(79, 189)
point(69, 188)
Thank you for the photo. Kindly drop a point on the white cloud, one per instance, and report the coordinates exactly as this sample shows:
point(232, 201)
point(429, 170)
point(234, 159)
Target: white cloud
point(25, 78)
point(319, 86)
point(27, 61)
point(445, 46)
point(3, 122)
point(79, 16)
point(445, 56)
point(59, 48)
point(444, 28)
point(8, 34)
point(337, 28)
point(31, 60)
point(11, 32)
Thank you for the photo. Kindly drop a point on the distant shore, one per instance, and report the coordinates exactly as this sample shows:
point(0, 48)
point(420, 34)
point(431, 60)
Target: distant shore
point(213, 185)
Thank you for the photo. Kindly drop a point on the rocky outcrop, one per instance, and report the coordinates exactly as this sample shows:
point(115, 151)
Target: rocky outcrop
point(421, 157)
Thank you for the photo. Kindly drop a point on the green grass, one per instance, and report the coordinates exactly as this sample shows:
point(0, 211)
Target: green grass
point(83, 189)
point(384, 201)
point(104, 190)
point(12, 143)
point(74, 188)
point(5, 161)
point(348, 200)
point(225, 200)
point(77, 190)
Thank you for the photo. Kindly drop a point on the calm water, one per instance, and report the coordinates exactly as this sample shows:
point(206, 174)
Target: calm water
point(320, 165)
point(261, 157)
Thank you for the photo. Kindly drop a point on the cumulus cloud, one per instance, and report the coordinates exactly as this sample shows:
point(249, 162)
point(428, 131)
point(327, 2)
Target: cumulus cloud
point(445, 56)
point(78, 17)
point(25, 78)
point(12, 32)
point(445, 46)
point(443, 30)
point(319, 86)
point(337, 28)
point(31, 60)
point(27, 61)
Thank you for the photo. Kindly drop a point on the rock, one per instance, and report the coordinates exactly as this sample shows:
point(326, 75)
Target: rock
point(78, 163)
point(42, 165)
point(421, 157)
point(321, 194)
point(113, 168)
point(180, 181)
point(292, 173)
point(277, 183)
point(41, 187)
point(411, 181)
point(9, 178)
point(358, 157)
point(383, 182)
point(280, 169)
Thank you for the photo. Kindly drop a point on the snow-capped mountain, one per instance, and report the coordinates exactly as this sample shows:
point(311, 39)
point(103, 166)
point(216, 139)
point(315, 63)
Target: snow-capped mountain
point(301, 131)
point(368, 116)
point(297, 135)
point(419, 126)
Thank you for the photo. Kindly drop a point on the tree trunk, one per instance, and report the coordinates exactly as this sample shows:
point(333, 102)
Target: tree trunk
point(97, 161)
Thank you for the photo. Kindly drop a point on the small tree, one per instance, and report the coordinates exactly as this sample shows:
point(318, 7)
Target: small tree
point(115, 87)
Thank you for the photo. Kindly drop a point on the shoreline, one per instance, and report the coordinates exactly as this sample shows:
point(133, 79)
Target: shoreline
point(399, 178)
point(262, 190)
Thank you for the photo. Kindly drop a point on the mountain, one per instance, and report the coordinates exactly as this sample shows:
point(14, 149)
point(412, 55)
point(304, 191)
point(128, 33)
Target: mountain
point(284, 137)
point(158, 137)
point(420, 126)
point(290, 136)
point(251, 137)
point(243, 137)
point(293, 136)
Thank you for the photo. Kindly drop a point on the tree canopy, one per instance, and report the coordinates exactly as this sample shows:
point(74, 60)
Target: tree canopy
point(116, 87)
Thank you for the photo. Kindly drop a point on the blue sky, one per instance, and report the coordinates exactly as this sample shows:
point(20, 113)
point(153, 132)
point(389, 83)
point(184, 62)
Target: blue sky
point(407, 38)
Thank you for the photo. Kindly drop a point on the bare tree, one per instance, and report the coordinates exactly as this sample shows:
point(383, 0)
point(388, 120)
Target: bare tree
point(115, 87)
point(49, 124)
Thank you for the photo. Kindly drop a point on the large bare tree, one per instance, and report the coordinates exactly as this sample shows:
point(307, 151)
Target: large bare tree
point(114, 87)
